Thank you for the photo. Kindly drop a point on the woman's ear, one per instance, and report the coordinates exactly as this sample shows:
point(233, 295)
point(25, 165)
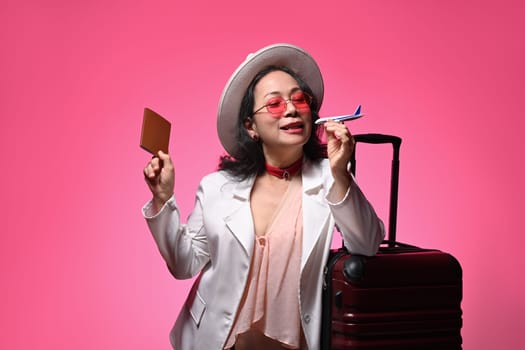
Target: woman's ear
point(251, 129)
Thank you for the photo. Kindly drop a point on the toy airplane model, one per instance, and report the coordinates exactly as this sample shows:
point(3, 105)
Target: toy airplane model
point(341, 118)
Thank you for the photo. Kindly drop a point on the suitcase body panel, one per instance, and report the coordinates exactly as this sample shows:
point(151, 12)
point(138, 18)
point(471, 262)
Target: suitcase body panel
point(405, 297)
point(394, 300)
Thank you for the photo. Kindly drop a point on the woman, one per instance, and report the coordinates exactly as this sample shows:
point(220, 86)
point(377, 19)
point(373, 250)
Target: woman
point(261, 230)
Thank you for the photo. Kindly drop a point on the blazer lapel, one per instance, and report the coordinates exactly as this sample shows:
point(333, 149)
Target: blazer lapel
point(238, 216)
point(316, 213)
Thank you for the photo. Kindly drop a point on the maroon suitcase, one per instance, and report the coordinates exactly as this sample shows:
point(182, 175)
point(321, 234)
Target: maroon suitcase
point(405, 297)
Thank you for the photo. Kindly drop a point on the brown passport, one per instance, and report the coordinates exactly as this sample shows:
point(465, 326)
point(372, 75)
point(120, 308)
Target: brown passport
point(155, 134)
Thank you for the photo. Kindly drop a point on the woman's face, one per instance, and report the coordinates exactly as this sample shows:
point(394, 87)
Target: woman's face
point(286, 130)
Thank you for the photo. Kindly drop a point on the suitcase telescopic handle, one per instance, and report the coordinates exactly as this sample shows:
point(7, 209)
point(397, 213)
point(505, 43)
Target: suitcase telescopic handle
point(394, 179)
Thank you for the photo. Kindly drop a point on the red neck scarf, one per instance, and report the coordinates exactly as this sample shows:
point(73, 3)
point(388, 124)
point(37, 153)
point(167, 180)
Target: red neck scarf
point(285, 173)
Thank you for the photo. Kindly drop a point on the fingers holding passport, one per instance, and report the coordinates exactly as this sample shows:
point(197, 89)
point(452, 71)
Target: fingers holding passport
point(160, 176)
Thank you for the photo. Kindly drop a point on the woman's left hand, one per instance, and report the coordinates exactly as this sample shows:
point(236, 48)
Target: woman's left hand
point(340, 145)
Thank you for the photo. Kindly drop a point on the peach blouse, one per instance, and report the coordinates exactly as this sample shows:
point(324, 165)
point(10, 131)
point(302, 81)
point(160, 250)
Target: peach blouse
point(268, 316)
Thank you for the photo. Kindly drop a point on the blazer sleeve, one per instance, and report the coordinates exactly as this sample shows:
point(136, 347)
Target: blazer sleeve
point(184, 247)
point(357, 221)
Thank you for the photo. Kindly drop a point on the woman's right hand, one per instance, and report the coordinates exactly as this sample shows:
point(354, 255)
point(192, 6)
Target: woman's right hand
point(160, 177)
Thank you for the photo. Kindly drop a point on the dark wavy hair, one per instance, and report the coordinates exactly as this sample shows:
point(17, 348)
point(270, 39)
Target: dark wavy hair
point(249, 160)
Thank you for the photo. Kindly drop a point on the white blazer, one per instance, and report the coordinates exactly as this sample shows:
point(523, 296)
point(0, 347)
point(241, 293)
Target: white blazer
point(217, 242)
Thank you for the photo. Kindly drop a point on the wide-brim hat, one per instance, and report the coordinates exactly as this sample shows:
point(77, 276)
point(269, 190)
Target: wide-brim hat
point(287, 55)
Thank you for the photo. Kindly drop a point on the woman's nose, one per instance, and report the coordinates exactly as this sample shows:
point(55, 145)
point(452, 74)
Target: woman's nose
point(290, 110)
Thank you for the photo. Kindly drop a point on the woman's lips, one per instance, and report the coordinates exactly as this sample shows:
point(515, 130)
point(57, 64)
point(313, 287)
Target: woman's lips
point(293, 126)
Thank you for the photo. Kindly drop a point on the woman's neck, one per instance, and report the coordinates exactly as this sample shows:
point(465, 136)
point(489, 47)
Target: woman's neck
point(283, 159)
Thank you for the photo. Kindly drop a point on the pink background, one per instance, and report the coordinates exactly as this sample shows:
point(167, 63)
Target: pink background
point(79, 268)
